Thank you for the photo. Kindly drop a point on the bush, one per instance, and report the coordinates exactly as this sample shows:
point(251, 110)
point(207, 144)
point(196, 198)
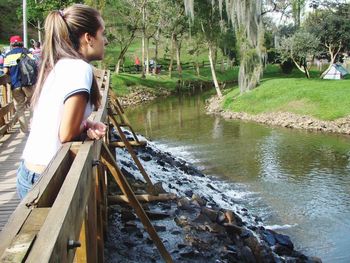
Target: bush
point(287, 66)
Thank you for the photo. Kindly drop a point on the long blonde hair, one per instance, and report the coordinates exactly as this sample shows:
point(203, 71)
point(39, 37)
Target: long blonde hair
point(63, 30)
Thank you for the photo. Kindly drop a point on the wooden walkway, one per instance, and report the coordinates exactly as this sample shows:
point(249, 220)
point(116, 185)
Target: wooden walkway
point(11, 148)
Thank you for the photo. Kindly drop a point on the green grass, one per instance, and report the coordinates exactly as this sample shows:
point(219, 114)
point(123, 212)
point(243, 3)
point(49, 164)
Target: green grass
point(322, 99)
point(121, 82)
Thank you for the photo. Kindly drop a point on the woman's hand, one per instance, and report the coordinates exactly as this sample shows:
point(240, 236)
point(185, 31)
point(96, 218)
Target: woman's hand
point(95, 130)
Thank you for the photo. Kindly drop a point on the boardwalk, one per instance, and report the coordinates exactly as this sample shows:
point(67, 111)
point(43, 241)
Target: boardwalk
point(11, 148)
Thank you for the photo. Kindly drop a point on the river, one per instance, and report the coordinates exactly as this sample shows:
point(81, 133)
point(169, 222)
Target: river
point(298, 182)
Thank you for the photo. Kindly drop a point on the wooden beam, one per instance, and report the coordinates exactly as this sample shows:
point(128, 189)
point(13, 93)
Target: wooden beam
point(112, 166)
point(141, 198)
point(19, 247)
point(132, 143)
point(64, 221)
point(44, 191)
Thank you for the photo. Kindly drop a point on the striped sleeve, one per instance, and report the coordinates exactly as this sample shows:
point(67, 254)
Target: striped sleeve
point(77, 77)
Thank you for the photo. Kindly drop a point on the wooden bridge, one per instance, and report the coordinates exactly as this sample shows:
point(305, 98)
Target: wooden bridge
point(64, 217)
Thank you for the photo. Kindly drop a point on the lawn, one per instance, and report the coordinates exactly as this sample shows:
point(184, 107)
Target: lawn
point(322, 99)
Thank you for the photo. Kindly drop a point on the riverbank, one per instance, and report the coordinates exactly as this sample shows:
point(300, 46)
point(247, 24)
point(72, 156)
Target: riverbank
point(204, 223)
point(283, 119)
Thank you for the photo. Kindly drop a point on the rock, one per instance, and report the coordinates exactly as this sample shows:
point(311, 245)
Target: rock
point(233, 229)
point(189, 193)
point(210, 213)
point(156, 215)
point(269, 238)
point(160, 228)
point(282, 250)
point(200, 200)
point(146, 158)
point(284, 240)
point(247, 255)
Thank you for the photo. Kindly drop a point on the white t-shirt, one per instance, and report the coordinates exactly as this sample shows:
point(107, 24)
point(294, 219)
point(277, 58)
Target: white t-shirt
point(68, 77)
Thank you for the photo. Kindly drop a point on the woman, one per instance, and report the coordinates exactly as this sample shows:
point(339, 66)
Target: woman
point(66, 91)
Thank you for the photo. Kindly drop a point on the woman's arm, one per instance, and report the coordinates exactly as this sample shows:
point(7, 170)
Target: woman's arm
point(72, 124)
point(73, 113)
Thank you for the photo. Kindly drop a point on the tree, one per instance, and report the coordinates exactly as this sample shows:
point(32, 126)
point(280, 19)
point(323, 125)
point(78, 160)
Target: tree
point(332, 26)
point(175, 25)
point(300, 48)
point(37, 10)
point(209, 23)
point(245, 16)
point(123, 22)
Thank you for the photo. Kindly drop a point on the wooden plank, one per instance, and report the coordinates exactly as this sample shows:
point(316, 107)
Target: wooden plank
point(141, 198)
point(64, 221)
point(132, 143)
point(18, 249)
point(19, 216)
point(9, 125)
point(6, 109)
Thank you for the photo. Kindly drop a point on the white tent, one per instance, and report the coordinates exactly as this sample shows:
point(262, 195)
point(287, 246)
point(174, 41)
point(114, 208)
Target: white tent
point(336, 72)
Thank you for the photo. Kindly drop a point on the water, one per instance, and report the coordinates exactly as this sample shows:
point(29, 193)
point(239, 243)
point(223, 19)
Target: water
point(298, 182)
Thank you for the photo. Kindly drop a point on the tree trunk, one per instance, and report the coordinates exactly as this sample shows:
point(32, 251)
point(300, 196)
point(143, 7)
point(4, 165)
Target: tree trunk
point(216, 84)
point(117, 67)
point(143, 41)
point(171, 54)
point(222, 67)
point(197, 69)
point(39, 32)
point(147, 56)
point(333, 54)
point(178, 61)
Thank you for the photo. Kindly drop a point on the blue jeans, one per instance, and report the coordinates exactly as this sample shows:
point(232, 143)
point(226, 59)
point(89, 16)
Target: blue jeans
point(25, 180)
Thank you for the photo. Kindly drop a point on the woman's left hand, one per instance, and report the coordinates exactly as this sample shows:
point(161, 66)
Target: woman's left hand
point(96, 130)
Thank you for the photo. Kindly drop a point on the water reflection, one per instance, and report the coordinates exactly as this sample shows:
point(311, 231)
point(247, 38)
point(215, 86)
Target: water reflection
point(300, 179)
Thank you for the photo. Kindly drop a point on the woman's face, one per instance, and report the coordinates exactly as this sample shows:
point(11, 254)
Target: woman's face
point(97, 44)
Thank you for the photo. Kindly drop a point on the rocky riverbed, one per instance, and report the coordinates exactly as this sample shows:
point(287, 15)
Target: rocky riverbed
point(205, 223)
point(284, 119)
point(140, 94)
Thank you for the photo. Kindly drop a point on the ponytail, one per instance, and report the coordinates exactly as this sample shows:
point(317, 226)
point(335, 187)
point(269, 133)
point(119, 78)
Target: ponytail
point(63, 30)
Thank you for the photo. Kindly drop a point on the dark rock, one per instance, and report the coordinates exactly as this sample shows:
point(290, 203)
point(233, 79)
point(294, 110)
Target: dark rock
point(189, 193)
point(269, 238)
point(184, 203)
point(160, 228)
point(212, 214)
point(220, 217)
point(233, 229)
point(282, 250)
point(160, 162)
point(212, 187)
point(156, 215)
point(127, 215)
point(284, 240)
point(247, 255)
point(314, 260)
point(201, 201)
point(146, 158)
point(246, 233)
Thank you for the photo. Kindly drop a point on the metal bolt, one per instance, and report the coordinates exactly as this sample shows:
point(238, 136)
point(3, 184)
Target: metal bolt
point(96, 162)
point(72, 244)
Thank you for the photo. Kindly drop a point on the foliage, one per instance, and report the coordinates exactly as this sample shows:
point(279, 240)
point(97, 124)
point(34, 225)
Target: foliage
point(332, 27)
point(301, 47)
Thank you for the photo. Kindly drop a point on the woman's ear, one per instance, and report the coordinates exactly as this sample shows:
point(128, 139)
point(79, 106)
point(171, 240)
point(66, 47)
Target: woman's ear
point(87, 38)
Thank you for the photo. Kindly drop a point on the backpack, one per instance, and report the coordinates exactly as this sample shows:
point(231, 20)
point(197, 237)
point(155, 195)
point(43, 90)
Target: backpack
point(28, 70)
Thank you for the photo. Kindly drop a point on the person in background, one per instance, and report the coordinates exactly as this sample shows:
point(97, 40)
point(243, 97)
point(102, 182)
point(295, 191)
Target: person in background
point(66, 91)
point(37, 52)
point(21, 94)
point(137, 64)
point(2, 63)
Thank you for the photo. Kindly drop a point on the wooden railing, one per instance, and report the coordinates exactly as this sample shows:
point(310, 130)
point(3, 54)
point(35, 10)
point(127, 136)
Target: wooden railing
point(64, 217)
point(8, 116)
